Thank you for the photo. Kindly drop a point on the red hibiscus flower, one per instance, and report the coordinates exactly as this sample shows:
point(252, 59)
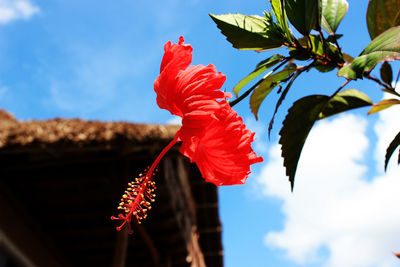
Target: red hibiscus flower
point(212, 134)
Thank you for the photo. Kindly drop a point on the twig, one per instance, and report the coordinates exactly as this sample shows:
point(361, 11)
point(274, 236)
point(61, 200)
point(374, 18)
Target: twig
point(341, 87)
point(240, 98)
point(368, 76)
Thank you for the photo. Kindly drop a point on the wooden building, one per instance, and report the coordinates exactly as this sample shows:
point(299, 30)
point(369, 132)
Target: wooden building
point(61, 180)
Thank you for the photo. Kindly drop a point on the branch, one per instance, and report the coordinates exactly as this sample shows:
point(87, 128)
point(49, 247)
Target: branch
point(368, 76)
point(240, 98)
point(341, 87)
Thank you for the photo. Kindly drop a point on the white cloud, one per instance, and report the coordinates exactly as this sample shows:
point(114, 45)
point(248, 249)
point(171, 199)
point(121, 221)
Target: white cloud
point(334, 208)
point(16, 9)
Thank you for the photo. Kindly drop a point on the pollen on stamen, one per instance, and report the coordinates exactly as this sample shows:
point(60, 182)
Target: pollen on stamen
point(136, 200)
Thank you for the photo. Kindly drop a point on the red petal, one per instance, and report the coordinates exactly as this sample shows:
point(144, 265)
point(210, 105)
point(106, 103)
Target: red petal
point(223, 151)
point(179, 89)
point(176, 56)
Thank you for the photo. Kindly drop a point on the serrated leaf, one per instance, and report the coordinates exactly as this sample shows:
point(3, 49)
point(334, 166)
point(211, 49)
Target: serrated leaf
point(386, 73)
point(383, 104)
point(385, 47)
point(333, 12)
point(296, 127)
point(343, 101)
point(249, 32)
point(281, 18)
point(266, 86)
point(392, 147)
point(261, 67)
point(302, 116)
point(304, 15)
point(382, 15)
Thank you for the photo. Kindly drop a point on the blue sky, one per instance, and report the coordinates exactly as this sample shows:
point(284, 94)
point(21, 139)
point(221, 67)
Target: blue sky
point(98, 60)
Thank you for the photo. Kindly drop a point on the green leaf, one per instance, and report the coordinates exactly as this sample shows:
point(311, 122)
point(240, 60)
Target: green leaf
point(385, 47)
point(249, 32)
point(386, 73)
point(333, 12)
point(382, 15)
point(304, 15)
point(296, 127)
point(343, 101)
point(383, 104)
point(266, 86)
point(392, 147)
point(317, 46)
point(281, 18)
point(261, 67)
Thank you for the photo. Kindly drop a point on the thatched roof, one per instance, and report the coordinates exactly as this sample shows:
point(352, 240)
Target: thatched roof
point(77, 132)
point(61, 180)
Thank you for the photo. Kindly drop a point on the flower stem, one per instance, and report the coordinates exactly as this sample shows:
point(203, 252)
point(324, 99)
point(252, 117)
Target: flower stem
point(162, 153)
